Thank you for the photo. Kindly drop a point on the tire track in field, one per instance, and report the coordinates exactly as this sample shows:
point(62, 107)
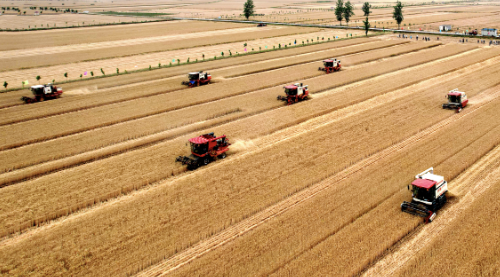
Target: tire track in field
point(260, 218)
point(482, 173)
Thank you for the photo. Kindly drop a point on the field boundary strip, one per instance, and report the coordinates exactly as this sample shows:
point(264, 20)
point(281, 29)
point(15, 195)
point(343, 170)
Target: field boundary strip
point(238, 229)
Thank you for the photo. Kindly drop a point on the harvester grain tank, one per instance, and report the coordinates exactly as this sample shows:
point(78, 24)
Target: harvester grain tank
point(295, 93)
point(197, 79)
point(456, 100)
point(330, 65)
point(428, 195)
point(42, 93)
point(205, 149)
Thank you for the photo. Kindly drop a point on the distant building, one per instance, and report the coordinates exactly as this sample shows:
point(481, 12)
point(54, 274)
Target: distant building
point(489, 32)
point(445, 28)
point(36, 13)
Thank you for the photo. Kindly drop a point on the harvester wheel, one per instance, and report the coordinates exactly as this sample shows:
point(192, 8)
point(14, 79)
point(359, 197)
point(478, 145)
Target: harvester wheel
point(205, 161)
point(222, 156)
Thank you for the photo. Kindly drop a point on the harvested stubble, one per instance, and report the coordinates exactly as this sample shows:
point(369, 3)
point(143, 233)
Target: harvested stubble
point(12, 98)
point(163, 86)
point(106, 33)
point(47, 128)
point(175, 215)
point(245, 104)
point(108, 175)
point(45, 60)
point(332, 238)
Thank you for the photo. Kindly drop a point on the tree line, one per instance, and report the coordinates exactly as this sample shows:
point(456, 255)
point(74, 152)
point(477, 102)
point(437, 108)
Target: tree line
point(343, 11)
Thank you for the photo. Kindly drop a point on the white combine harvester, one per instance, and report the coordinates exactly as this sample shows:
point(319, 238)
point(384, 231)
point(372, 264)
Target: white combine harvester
point(428, 195)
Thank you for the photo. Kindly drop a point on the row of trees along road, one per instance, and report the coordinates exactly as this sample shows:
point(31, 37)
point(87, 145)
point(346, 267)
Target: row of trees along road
point(342, 11)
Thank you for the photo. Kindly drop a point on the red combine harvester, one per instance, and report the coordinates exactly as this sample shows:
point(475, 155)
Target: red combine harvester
point(295, 93)
point(261, 25)
point(456, 100)
point(205, 149)
point(473, 33)
point(197, 79)
point(428, 195)
point(42, 93)
point(331, 65)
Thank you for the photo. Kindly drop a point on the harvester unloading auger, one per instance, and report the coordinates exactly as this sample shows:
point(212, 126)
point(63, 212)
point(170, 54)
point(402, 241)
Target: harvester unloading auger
point(295, 93)
point(205, 149)
point(42, 93)
point(331, 65)
point(197, 79)
point(428, 195)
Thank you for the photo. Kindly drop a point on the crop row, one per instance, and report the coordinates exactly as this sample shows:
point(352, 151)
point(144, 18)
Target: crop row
point(174, 215)
point(53, 59)
point(12, 98)
point(71, 188)
point(47, 128)
point(246, 104)
point(96, 35)
point(164, 85)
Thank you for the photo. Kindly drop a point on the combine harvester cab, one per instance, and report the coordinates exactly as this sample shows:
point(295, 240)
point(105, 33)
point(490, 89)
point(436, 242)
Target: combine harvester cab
point(331, 65)
point(42, 93)
point(205, 149)
point(295, 93)
point(428, 195)
point(456, 100)
point(197, 79)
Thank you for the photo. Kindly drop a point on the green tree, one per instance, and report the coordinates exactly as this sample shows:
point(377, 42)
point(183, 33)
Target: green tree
point(178, 61)
point(248, 8)
point(66, 75)
point(339, 11)
point(102, 71)
point(5, 84)
point(92, 73)
point(117, 71)
point(398, 13)
point(38, 78)
point(348, 11)
point(366, 25)
point(366, 9)
point(159, 65)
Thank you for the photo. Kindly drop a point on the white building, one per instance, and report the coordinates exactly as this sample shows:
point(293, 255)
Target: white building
point(445, 28)
point(489, 32)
